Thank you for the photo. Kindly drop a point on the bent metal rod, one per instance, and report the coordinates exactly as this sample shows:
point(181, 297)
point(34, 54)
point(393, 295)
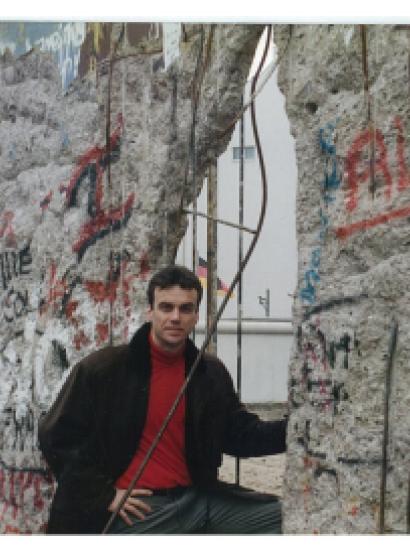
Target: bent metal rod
point(218, 315)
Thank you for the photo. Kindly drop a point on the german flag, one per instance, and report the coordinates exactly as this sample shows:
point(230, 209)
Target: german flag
point(202, 273)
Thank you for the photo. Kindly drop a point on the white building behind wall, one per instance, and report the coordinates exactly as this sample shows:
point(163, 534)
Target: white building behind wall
point(266, 334)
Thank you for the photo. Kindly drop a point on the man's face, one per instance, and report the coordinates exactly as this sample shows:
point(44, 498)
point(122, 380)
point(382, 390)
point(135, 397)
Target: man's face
point(173, 316)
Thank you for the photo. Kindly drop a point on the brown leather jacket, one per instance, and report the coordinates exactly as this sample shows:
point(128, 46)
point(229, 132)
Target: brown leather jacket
point(92, 430)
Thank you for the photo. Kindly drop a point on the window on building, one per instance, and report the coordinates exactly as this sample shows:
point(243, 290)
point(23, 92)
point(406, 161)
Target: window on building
point(248, 153)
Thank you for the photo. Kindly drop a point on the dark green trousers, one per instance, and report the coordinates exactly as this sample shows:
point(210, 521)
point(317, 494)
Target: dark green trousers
point(228, 509)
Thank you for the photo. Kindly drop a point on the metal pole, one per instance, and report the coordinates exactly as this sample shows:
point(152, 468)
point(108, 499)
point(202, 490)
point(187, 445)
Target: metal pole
point(239, 299)
point(194, 226)
point(267, 302)
point(212, 260)
point(389, 369)
point(408, 507)
point(194, 238)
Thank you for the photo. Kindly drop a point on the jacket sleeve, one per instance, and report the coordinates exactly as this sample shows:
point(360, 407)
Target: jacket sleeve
point(246, 434)
point(68, 437)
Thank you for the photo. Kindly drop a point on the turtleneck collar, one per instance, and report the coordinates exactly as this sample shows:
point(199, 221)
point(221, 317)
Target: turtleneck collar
point(161, 355)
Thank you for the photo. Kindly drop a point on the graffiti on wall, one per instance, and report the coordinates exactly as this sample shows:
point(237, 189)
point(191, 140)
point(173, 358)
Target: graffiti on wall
point(325, 363)
point(360, 168)
point(62, 40)
point(6, 229)
point(319, 388)
point(364, 172)
point(14, 300)
point(329, 185)
point(102, 219)
point(22, 490)
point(65, 311)
point(90, 168)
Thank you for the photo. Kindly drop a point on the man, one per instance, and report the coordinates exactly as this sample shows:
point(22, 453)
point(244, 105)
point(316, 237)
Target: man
point(110, 409)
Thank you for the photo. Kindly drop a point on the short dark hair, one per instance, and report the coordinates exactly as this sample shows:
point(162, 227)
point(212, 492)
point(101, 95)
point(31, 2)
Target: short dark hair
point(174, 275)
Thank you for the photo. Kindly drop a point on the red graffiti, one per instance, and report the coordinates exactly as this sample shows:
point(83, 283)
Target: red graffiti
point(364, 141)
point(56, 290)
point(13, 488)
point(6, 229)
point(144, 267)
point(56, 296)
point(102, 333)
point(38, 499)
point(117, 279)
point(11, 530)
point(12, 496)
point(69, 311)
point(307, 462)
point(102, 291)
point(322, 387)
point(57, 287)
point(347, 230)
point(45, 203)
point(404, 173)
point(101, 224)
point(2, 480)
point(95, 154)
point(80, 340)
point(91, 166)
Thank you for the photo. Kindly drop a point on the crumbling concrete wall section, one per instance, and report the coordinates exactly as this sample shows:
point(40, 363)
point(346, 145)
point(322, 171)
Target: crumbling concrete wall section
point(347, 98)
point(92, 187)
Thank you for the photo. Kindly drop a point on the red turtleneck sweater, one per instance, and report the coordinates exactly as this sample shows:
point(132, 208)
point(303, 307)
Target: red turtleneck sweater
point(167, 466)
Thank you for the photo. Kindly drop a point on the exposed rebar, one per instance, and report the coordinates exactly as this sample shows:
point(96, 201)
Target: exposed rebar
point(214, 323)
point(369, 114)
point(239, 295)
point(223, 222)
point(389, 369)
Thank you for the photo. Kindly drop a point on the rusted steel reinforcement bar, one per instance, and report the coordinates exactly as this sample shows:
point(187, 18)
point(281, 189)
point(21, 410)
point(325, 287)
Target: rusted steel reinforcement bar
point(108, 148)
point(389, 369)
point(214, 323)
point(240, 286)
point(369, 114)
point(212, 253)
point(408, 508)
point(223, 222)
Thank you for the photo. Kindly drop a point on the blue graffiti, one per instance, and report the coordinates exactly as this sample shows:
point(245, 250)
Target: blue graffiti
point(332, 178)
point(308, 293)
point(330, 183)
point(324, 225)
point(327, 147)
point(65, 140)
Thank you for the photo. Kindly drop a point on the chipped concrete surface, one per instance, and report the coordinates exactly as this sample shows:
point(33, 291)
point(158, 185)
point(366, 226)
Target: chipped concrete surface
point(347, 98)
point(93, 182)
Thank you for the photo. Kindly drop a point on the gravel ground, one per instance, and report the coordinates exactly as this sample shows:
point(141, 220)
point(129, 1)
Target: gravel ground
point(264, 474)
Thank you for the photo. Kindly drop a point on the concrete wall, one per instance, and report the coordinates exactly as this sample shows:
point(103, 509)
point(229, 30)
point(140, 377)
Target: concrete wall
point(92, 182)
point(62, 40)
point(347, 98)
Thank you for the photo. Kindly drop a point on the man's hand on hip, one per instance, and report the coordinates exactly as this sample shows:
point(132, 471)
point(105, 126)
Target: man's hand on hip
point(131, 505)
